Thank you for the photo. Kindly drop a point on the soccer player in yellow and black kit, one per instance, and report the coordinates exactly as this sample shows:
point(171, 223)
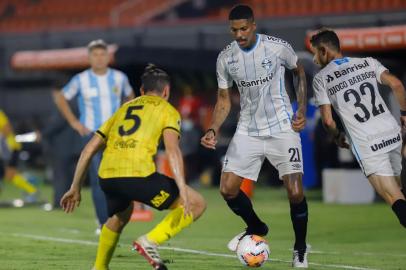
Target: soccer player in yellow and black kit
point(11, 173)
point(127, 171)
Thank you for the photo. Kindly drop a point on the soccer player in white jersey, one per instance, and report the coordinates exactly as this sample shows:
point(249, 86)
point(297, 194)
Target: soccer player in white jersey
point(267, 128)
point(100, 91)
point(349, 85)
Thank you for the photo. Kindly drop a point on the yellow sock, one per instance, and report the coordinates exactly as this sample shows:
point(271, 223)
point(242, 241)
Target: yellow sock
point(107, 244)
point(171, 225)
point(22, 183)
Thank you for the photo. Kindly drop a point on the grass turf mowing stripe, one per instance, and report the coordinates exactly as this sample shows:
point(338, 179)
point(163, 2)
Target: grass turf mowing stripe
point(184, 250)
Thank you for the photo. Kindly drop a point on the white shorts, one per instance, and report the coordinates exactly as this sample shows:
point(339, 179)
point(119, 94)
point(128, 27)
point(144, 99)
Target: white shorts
point(245, 154)
point(387, 164)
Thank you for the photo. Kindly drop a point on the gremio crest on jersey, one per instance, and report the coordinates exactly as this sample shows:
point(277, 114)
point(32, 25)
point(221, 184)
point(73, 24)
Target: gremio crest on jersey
point(267, 64)
point(233, 66)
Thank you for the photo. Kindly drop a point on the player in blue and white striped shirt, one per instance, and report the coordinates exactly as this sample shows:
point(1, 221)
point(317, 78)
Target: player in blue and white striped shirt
point(100, 90)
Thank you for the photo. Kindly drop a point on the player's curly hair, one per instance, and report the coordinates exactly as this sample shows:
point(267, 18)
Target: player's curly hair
point(154, 78)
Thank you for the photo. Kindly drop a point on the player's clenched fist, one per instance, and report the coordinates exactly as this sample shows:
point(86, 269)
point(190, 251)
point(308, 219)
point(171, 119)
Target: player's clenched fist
point(298, 122)
point(209, 139)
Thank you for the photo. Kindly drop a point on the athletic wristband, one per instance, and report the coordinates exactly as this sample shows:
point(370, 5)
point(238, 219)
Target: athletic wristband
point(402, 113)
point(212, 130)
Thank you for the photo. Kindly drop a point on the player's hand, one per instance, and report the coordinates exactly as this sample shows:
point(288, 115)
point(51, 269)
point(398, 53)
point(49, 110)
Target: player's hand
point(209, 139)
point(70, 200)
point(183, 194)
point(38, 136)
point(340, 140)
point(81, 129)
point(298, 122)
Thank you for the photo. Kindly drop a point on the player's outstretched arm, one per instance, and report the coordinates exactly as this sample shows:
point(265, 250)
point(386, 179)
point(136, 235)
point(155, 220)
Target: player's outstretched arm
point(66, 111)
point(72, 198)
point(299, 120)
point(331, 126)
point(399, 90)
point(171, 141)
point(221, 111)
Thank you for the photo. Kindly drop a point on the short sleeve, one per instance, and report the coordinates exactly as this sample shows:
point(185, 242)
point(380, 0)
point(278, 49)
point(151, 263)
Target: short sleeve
point(288, 55)
point(105, 129)
point(172, 120)
point(72, 88)
point(127, 89)
point(224, 79)
point(378, 68)
point(320, 92)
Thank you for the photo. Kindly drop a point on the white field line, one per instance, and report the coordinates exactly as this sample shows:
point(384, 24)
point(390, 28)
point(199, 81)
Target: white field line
point(184, 250)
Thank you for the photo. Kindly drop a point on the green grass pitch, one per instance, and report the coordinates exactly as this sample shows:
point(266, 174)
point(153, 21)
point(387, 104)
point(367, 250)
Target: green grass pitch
point(342, 236)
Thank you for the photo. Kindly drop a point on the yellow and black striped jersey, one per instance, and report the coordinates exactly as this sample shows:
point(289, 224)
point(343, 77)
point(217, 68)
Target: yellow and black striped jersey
point(132, 136)
point(11, 142)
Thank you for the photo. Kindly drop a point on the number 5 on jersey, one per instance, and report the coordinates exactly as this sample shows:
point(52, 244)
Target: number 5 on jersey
point(131, 116)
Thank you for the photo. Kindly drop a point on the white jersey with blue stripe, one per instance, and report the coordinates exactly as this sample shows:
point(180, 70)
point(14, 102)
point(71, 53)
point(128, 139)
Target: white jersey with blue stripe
point(350, 86)
point(260, 77)
point(99, 96)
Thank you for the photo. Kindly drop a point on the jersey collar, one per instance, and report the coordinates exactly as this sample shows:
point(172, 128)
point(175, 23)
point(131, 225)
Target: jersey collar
point(340, 61)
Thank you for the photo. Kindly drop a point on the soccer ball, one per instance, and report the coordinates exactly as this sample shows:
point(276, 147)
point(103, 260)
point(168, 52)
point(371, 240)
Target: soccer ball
point(253, 251)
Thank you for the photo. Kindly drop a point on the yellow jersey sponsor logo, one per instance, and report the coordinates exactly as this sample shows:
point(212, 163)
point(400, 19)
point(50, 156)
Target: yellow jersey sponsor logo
point(125, 144)
point(159, 199)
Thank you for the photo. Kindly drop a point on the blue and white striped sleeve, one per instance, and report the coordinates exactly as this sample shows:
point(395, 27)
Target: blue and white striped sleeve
point(72, 88)
point(224, 79)
point(288, 55)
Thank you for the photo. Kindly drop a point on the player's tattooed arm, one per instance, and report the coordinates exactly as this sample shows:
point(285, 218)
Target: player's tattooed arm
point(299, 120)
point(221, 111)
point(331, 126)
point(398, 90)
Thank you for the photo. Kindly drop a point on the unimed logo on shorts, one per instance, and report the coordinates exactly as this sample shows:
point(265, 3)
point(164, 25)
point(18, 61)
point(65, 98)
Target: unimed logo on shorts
point(160, 198)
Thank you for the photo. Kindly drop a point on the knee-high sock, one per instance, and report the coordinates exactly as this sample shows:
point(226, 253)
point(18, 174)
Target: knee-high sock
point(242, 206)
point(22, 183)
point(171, 225)
point(299, 217)
point(107, 244)
point(399, 207)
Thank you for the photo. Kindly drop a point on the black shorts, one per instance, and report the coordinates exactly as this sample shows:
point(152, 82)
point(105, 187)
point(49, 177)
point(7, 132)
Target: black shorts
point(155, 190)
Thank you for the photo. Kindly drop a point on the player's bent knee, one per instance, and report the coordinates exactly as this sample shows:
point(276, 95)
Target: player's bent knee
point(198, 205)
point(228, 193)
point(115, 224)
point(201, 206)
point(197, 202)
point(295, 196)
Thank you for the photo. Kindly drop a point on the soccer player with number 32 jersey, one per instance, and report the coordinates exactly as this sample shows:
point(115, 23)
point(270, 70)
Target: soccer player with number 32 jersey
point(350, 86)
